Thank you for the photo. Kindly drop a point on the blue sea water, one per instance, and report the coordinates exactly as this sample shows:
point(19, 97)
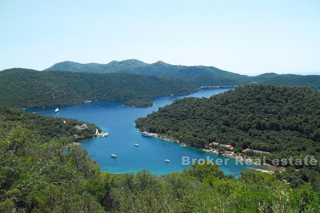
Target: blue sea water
point(118, 120)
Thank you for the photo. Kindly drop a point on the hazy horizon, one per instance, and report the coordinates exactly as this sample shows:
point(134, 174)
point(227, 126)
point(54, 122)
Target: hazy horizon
point(243, 37)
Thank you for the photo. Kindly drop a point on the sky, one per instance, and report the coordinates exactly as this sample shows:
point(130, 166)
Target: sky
point(243, 36)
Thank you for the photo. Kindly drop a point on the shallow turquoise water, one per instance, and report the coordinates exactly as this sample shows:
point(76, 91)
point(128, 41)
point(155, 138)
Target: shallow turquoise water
point(118, 120)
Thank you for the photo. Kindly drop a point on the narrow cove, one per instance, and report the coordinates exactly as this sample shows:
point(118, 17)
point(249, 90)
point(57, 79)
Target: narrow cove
point(118, 120)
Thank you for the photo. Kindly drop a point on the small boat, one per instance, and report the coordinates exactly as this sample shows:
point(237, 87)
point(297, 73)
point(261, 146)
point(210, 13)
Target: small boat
point(145, 134)
point(167, 160)
point(104, 134)
point(136, 145)
point(101, 134)
point(87, 101)
point(56, 110)
point(114, 155)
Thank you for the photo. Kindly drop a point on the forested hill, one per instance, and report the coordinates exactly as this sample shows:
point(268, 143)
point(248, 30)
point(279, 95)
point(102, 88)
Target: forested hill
point(30, 88)
point(194, 75)
point(312, 81)
point(281, 120)
point(256, 116)
point(159, 68)
point(44, 128)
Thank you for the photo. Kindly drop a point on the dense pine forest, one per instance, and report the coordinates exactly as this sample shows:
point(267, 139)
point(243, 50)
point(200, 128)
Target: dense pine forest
point(43, 173)
point(30, 88)
point(130, 81)
point(281, 120)
point(44, 127)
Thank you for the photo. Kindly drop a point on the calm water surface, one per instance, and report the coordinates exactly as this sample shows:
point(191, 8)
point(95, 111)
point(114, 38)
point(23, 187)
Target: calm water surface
point(118, 120)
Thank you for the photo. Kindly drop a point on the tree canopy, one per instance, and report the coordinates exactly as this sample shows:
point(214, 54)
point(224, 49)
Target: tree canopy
point(281, 120)
point(50, 176)
point(29, 88)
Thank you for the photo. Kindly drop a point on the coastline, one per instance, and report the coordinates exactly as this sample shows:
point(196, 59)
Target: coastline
point(215, 151)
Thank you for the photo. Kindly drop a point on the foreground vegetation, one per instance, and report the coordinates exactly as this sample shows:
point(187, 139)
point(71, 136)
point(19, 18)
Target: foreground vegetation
point(280, 120)
point(41, 170)
point(50, 176)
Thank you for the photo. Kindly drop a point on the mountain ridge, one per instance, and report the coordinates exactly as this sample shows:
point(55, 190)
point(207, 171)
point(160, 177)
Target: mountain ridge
point(197, 75)
point(81, 67)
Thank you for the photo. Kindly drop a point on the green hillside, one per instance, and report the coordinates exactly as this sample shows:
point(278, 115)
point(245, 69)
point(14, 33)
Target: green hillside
point(312, 81)
point(281, 120)
point(30, 88)
point(43, 128)
point(114, 66)
point(194, 75)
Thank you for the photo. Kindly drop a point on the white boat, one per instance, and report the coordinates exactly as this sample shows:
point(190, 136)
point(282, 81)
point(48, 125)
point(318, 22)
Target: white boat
point(56, 110)
point(114, 155)
point(101, 134)
point(145, 134)
point(104, 134)
point(136, 145)
point(167, 160)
